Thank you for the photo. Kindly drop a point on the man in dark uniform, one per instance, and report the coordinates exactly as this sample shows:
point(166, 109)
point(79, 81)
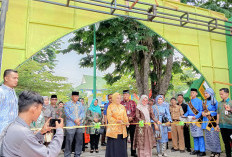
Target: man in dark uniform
point(180, 100)
point(130, 106)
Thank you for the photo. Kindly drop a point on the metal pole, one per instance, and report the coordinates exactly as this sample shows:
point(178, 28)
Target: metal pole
point(4, 9)
point(94, 63)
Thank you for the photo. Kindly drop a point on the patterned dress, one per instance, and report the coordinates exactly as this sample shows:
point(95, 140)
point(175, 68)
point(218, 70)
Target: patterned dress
point(90, 121)
point(212, 140)
point(116, 142)
point(160, 111)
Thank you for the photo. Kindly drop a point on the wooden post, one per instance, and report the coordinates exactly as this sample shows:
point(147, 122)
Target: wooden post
point(4, 9)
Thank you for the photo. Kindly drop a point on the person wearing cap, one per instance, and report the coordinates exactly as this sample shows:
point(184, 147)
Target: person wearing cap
point(177, 130)
point(130, 106)
point(54, 102)
point(19, 140)
point(75, 113)
point(196, 131)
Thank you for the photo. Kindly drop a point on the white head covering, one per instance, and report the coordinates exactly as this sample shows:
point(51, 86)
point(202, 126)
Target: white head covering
point(144, 108)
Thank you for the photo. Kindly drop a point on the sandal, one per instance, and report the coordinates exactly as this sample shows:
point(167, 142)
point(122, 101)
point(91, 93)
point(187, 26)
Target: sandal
point(91, 151)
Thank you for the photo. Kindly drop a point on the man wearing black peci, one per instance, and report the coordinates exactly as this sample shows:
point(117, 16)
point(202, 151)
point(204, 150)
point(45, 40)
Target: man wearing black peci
point(130, 106)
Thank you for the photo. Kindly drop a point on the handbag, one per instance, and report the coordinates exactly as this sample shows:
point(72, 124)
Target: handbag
point(165, 119)
point(102, 130)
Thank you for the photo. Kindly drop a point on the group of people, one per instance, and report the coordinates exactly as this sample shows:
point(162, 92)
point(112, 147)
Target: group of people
point(147, 123)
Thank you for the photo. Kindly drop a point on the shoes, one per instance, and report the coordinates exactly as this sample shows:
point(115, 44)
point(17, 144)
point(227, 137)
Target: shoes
point(212, 154)
point(195, 152)
point(182, 151)
point(165, 155)
point(97, 151)
point(160, 155)
point(217, 155)
point(103, 144)
point(201, 154)
point(174, 150)
point(91, 151)
point(188, 150)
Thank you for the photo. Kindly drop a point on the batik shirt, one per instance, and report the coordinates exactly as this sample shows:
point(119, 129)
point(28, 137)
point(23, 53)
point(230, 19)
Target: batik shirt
point(130, 109)
point(8, 106)
point(225, 121)
point(115, 113)
point(74, 111)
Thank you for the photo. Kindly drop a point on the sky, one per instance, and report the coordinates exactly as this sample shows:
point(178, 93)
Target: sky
point(68, 65)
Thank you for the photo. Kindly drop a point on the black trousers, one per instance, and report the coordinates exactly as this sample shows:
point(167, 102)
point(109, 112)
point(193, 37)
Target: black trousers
point(83, 146)
point(103, 138)
point(187, 137)
point(94, 141)
point(131, 131)
point(226, 133)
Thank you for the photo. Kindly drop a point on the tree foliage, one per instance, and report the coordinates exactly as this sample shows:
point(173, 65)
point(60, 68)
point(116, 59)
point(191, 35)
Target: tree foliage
point(132, 48)
point(36, 75)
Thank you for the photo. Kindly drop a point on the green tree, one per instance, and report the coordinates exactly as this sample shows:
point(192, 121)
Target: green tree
point(36, 74)
point(48, 55)
point(33, 76)
point(181, 84)
point(132, 48)
point(125, 82)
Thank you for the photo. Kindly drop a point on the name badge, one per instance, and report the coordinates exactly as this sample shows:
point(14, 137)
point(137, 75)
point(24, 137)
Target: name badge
point(226, 112)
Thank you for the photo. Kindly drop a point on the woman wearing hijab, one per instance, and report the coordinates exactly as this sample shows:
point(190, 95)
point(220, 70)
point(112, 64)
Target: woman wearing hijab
point(211, 135)
point(144, 139)
point(162, 113)
point(93, 115)
point(117, 134)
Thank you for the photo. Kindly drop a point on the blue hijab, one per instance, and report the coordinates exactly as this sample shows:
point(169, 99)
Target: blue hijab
point(212, 94)
point(156, 99)
point(94, 108)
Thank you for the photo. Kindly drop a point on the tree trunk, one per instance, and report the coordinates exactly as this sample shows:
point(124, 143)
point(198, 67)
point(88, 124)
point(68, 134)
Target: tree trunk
point(147, 59)
point(137, 75)
point(168, 73)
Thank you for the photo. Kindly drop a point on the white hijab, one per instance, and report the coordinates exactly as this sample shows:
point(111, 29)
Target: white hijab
point(144, 108)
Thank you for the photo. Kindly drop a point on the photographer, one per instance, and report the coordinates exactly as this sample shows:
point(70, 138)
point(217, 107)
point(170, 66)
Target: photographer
point(19, 140)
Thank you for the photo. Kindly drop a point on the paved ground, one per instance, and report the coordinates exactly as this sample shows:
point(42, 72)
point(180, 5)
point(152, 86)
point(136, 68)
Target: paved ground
point(170, 154)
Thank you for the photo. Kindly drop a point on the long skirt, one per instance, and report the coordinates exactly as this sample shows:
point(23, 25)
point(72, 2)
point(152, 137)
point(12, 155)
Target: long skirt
point(196, 131)
point(147, 151)
point(212, 141)
point(164, 134)
point(116, 147)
